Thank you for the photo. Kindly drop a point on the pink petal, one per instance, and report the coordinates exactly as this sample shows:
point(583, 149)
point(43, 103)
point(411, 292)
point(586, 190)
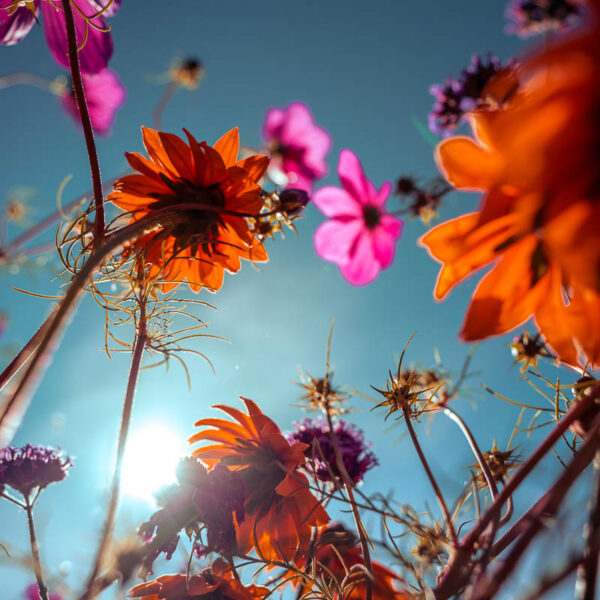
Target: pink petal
point(98, 48)
point(13, 28)
point(363, 266)
point(353, 178)
point(273, 123)
point(336, 202)
point(110, 11)
point(298, 125)
point(380, 197)
point(384, 245)
point(104, 94)
point(334, 240)
point(391, 225)
point(318, 144)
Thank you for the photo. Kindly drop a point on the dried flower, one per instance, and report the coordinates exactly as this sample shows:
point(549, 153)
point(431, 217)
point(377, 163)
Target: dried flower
point(16, 20)
point(361, 236)
point(423, 201)
point(499, 462)
point(456, 97)
point(279, 509)
point(30, 467)
point(297, 146)
point(584, 387)
point(188, 73)
point(527, 348)
point(531, 17)
point(104, 95)
point(320, 451)
point(204, 241)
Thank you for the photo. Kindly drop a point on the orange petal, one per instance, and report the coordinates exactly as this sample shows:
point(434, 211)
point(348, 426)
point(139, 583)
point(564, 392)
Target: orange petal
point(168, 151)
point(255, 166)
point(228, 146)
point(466, 165)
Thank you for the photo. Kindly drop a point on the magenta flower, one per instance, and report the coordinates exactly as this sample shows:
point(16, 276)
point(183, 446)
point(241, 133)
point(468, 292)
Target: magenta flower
point(16, 24)
point(298, 147)
point(104, 94)
point(360, 237)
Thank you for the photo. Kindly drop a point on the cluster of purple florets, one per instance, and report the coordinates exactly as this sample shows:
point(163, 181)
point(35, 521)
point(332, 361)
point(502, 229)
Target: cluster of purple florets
point(30, 467)
point(530, 17)
point(321, 458)
point(459, 95)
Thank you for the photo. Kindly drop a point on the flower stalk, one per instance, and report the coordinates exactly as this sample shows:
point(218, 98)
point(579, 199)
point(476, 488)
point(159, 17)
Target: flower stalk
point(86, 122)
point(35, 552)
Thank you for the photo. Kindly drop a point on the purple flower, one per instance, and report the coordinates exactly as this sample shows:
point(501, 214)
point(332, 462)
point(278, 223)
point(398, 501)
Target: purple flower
point(457, 96)
point(16, 24)
point(298, 147)
point(530, 17)
point(293, 201)
point(361, 236)
point(33, 593)
point(31, 467)
point(357, 459)
point(104, 95)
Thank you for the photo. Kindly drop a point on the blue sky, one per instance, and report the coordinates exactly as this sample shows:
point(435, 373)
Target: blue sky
point(365, 70)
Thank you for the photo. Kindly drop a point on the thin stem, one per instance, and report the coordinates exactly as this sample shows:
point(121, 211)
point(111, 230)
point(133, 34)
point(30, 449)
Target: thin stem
point(489, 478)
point(434, 484)
point(86, 122)
point(451, 580)
point(136, 361)
point(35, 553)
point(162, 103)
point(28, 79)
point(549, 507)
point(587, 575)
point(360, 529)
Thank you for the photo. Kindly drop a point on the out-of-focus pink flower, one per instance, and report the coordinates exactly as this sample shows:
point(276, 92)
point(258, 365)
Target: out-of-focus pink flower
point(94, 56)
point(298, 147)
point(33, 593)
point(104, 94)
point(361, 236)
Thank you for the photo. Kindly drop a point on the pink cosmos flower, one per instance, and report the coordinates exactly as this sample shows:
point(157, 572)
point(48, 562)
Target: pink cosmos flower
point(104, 94)
point(17, 19)
point(32, 593)
point(361, 236)
point(298, 147)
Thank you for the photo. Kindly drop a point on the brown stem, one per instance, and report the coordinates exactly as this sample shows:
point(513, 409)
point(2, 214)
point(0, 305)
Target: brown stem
point(360, 529)
point(587, 575)
point(549, 507)
point(39, 358)
point(162, 103)
point(452, 579)
point(35, 552)
point(136, 361)
point(434, 484)
point(86, 122)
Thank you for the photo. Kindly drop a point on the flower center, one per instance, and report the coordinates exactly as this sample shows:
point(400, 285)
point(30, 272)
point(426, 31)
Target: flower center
point(371, 216)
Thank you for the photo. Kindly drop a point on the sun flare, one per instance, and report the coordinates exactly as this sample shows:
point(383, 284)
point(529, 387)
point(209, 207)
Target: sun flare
point(150, 460)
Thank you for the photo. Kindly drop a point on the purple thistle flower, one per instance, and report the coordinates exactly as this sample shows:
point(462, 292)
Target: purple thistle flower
point(357, 459)
point(94, 56)
point(531, 17)
point(456, 97)
point(31, 467)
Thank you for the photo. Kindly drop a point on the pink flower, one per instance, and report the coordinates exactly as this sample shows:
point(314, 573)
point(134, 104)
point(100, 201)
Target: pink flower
point(360, 237)
point(32, 593)
point(104, 94)
point(16, 24)
point(298, 146)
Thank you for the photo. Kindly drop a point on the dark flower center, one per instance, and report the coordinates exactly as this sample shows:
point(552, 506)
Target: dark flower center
point(371, 216)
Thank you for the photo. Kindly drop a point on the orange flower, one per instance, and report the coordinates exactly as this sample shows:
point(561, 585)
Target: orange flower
point(536, 158)
point(340, 565)
point(279, 508)
point(214, 582)
point(200, 242)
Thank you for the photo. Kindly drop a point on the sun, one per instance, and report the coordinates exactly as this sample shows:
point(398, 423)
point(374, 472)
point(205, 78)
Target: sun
point(151, 457)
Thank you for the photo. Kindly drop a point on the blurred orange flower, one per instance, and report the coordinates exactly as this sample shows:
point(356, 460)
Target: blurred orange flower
point(340, 564)
point(280, 509)
point(214, 194)
point(214, 582)
point(536, 158)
